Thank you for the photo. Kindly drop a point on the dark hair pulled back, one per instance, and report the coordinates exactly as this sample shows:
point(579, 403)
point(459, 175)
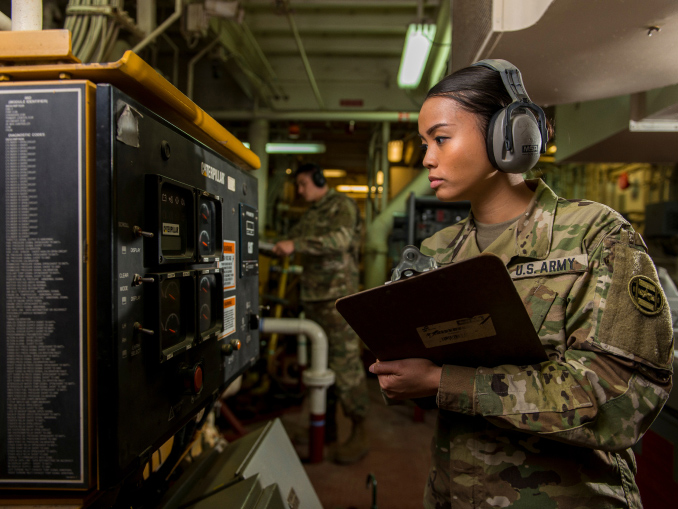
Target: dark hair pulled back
point(478, 90)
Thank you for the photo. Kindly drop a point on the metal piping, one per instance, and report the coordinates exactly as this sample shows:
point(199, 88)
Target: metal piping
point(358, 116)
point(191, 65)
point(317, 378)
point(26, 15)
point(178, 10)
point(304, 58)
point(175, 59)
point(385, 165)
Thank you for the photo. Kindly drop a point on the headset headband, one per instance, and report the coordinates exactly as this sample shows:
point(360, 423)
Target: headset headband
point(510, 75)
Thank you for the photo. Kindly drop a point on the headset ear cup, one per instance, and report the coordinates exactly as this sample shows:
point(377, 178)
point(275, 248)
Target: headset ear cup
point(526, 142)
point(319, 178)
point(495, 138)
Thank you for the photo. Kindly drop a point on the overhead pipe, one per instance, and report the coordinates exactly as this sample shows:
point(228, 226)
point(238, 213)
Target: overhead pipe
point(178, 10)
point(26, 15)
point(315, 115)
point(191, 66)
point(317, 378)
point(304, 58)
point(376, 245)
point(385, 166)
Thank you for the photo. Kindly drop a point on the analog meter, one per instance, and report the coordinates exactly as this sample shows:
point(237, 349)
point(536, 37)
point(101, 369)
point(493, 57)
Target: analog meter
point(210, 303)
point(172, 312)
point(209, 229)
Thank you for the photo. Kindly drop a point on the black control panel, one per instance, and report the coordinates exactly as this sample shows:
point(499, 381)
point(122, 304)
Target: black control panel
point(130, 283)
point(183, 312)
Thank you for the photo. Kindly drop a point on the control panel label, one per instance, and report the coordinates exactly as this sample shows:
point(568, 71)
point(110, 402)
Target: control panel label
point(43, 404)
point(227, 265)
point(229, 317)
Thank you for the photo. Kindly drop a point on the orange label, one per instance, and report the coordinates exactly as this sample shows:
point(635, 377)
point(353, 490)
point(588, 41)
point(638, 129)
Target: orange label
point(229, 247)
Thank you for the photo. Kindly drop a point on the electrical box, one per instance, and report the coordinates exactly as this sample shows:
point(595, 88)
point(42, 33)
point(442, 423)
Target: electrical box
point(130, 276)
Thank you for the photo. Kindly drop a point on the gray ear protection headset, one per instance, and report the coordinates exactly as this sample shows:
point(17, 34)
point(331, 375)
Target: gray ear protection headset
point(317, 175)
point(515, 137)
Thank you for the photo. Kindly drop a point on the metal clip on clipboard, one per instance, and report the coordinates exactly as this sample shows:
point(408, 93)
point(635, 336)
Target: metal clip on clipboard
point(412, 262)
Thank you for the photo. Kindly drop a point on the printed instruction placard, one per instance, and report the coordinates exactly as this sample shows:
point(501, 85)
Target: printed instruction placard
point(229, 317)
point(227, 265)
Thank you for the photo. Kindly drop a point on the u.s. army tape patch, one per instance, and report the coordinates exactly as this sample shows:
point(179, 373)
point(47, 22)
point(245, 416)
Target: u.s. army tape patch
point(646, 295)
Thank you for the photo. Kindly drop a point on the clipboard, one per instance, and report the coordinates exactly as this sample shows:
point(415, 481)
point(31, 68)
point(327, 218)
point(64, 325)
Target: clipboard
point(465, 314)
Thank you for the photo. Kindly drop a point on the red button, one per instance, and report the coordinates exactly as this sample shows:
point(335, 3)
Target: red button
point(197, 380)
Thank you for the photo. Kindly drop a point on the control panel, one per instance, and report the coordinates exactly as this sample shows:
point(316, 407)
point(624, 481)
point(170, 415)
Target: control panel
point(130, 286)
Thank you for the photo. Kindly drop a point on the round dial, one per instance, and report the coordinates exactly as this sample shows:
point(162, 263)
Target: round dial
point(205, 243)
point(173, 331)
point(205, 318)
point(207, 227)
point(206, 301)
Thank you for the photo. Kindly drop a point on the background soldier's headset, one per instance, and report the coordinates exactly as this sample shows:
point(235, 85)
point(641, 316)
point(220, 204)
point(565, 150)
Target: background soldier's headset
point(316, 171)
point(516, 134)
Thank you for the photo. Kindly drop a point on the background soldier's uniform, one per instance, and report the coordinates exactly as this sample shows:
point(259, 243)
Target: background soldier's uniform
point(328, 238)
point(557, 434)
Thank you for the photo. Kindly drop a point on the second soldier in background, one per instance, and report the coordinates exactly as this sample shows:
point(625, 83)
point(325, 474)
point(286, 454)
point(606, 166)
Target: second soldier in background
point(328, 239)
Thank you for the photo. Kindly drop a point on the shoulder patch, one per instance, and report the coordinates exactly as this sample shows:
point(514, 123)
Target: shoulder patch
point(646, 295)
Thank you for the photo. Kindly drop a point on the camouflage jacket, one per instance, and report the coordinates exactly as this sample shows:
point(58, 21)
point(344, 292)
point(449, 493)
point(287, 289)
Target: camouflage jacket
point(562, 429)
point(328, 239)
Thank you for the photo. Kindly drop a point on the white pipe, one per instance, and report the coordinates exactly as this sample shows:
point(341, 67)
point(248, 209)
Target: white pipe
point(26, 15)
point(178, 10)
point(5, 22)
point(317, 377)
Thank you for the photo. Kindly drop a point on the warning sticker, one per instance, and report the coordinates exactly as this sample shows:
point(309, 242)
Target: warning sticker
point(227, 265)
point(457, 331)
point(229, 317)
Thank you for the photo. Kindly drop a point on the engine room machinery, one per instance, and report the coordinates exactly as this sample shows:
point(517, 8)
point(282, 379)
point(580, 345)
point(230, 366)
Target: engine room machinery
point(129, 268)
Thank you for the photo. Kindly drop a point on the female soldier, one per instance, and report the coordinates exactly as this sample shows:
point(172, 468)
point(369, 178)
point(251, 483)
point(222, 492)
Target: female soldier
point(556, 434)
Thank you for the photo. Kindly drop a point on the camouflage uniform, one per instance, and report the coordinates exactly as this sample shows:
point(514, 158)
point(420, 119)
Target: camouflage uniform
point(328, 238)
point(557, 434)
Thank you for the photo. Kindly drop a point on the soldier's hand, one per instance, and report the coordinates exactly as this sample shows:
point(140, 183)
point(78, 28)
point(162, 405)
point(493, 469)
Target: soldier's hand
point(284, 248)
point(408, 378)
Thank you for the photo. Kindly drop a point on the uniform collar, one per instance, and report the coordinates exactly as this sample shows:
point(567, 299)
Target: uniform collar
point(530, 237)
point(330, 192)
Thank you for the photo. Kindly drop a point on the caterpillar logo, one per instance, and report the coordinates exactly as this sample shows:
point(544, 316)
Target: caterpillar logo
point(212, 173)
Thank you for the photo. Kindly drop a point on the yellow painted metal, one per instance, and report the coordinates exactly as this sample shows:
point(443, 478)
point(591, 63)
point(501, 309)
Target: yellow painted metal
point(34, 45)
point(135, 77)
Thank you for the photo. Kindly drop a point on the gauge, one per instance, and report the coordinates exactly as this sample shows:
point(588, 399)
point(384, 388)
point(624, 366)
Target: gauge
point(205, 318)
point(210, 297)
point(209, 226)
point(205, 247)
point(173, 331)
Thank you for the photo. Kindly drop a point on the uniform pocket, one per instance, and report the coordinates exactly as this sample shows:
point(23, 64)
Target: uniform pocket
point(538, 300)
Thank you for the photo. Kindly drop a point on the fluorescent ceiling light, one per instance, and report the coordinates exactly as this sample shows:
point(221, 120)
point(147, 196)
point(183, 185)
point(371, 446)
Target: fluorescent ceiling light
point(352, 189)
point(654, 125)
point(295, 148)
point(334, 173)
point(418, 42)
